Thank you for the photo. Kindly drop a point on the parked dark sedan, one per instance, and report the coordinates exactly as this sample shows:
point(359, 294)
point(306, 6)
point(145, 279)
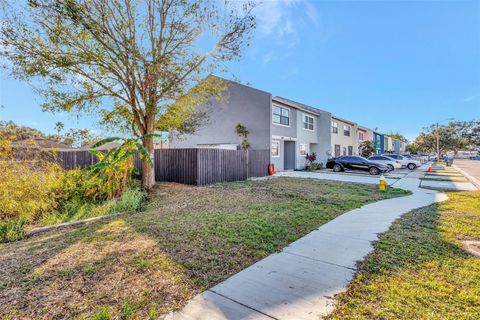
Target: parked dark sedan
point(356, 163)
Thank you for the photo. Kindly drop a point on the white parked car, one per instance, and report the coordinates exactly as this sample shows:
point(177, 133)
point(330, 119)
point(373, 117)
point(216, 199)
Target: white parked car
point(406, 163)
point(389, 162)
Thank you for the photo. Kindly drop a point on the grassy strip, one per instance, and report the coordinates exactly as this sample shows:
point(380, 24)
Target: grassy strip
point(418, 269)
point(143, 265)
point(454, 179)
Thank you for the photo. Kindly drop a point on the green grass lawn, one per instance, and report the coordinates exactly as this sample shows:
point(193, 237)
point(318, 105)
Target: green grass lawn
point(419, 269)
point(143, 265)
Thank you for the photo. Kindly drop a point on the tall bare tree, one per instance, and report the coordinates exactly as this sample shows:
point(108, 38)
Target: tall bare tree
point(135, 62)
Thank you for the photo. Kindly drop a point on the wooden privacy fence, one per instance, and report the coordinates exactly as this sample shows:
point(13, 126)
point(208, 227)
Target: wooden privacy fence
point(189, 166)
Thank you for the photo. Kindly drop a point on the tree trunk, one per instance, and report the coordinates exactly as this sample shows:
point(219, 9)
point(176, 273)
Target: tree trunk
point(148, 171)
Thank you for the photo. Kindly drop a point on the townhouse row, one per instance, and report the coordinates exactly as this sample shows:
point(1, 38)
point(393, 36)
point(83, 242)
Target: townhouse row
point(289, 129)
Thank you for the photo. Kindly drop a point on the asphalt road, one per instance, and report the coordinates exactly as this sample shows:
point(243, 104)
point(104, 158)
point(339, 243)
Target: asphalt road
point(472, 167)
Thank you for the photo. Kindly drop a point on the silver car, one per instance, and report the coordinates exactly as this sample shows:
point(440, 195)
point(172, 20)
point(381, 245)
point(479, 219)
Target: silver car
point(389, 162)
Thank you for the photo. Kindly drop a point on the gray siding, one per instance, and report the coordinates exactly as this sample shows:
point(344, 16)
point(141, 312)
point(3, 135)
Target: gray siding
point(282, 134)
point(245, 105)
point(308, 137)
point(322, 148)
point(284, 131)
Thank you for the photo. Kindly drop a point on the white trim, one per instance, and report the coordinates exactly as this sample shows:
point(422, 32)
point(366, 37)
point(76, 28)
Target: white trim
point(280, 125)
point(331, 126)
point(289, 116)
point(304, 115)
point(278, 149)
point(300, 147)
point(275, 137)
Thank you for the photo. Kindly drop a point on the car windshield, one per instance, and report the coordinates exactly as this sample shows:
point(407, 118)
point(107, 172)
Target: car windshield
point(362, 158)
point(395, 156)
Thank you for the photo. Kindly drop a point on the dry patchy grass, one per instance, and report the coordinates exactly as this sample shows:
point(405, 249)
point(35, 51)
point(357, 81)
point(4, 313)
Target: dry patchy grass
point(140, 266)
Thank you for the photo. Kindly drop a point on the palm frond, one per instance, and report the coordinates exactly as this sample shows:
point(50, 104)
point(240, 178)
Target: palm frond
point(105, 141)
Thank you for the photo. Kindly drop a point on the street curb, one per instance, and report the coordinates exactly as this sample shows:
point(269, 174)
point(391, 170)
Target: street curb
point(474, 180)
point(68, 224)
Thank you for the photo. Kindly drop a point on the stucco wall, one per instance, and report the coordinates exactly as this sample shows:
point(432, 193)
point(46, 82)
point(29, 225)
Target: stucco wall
point(284, 133)
point(324, 137)
point(343, 140)
point(304, 136)
point(245, 105)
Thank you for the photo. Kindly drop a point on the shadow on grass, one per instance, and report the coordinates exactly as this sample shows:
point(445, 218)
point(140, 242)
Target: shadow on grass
point(155, 261)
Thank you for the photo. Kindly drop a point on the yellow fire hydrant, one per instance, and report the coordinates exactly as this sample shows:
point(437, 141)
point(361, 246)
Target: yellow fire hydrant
point(383, 183)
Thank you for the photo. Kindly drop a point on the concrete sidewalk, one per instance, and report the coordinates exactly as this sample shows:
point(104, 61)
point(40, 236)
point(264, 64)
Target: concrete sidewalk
point(300, 282)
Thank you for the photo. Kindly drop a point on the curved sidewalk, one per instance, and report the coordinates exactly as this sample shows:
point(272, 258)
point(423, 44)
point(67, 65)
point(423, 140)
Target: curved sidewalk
point(301, 281)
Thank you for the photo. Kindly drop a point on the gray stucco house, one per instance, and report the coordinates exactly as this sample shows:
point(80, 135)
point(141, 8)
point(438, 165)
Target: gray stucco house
point(287, 128)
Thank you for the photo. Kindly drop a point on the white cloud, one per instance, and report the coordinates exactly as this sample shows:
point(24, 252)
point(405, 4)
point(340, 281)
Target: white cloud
point(472, 97)
point(312, 13)
point(278, 19)
point(266, 58)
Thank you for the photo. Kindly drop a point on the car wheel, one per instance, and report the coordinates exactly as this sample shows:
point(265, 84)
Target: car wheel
point(373, 171)
point(337, 168)
point(411, 166)
point(390, 167)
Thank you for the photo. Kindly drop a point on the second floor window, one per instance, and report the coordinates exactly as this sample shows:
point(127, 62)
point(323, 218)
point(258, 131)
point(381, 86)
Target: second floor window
point(307, 122)
point(346, 130)
point(360, 136)
point(280, 115)
point(334, 127)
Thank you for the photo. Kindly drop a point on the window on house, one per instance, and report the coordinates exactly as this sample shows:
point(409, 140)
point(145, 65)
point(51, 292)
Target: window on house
point(307, 122)
point(275, 148)
point(350, 150)
point(303, 149)
point(346, 130)
point(344, 151)
point(334, 127)
point(360, 136)
point(281, 115)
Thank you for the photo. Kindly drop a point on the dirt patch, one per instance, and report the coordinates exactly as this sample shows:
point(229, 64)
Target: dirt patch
point(472, 247)
point(146, 264)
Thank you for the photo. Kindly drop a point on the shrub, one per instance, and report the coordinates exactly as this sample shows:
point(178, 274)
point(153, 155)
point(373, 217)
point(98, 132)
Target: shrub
point(130, 201)
point(367, 148)
point(11, 230)
point(37, 191)
point(314, 166)
point(311, 165)
point(28, 188)
point(311, 157)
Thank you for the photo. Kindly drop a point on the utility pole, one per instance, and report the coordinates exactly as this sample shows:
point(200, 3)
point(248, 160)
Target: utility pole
point(438, 143)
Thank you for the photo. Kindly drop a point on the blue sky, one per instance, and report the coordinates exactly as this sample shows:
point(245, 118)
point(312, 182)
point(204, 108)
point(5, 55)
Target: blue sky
point(394, 65)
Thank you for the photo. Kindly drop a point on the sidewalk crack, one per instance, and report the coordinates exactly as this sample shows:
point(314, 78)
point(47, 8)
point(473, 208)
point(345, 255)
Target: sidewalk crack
point(242, 304)
point(318, 260)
